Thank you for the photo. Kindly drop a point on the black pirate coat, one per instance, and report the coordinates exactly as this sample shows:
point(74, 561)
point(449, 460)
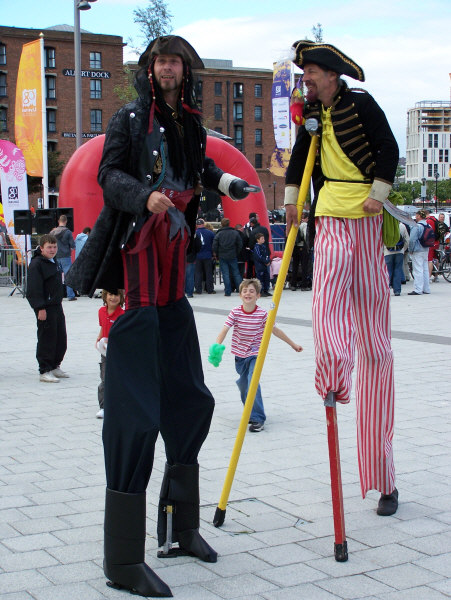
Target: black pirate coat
point(125, 193)
point(363, 133)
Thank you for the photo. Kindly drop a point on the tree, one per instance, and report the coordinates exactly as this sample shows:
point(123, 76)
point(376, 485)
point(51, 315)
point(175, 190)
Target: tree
point(317, 31)
point(153, 21)
point(126, 91)
point(55, 168)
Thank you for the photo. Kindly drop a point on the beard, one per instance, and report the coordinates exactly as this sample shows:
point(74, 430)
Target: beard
point(312, 95)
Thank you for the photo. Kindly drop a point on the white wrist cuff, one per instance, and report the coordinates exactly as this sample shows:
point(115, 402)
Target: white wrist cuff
point(379, 190)
point(291, 195)
point(224, 184)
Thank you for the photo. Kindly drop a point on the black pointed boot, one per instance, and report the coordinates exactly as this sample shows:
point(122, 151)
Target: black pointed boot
point(179, 498)
point(125, 533)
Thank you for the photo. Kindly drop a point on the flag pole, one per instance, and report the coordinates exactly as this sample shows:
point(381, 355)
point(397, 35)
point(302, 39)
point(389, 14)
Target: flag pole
point(45, 166)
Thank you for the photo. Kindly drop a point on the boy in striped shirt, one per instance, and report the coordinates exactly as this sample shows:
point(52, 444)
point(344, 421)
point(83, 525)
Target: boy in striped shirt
point(248, 322)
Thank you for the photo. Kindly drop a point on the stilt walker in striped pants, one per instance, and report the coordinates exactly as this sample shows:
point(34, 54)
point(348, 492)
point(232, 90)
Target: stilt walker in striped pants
point(355, 168)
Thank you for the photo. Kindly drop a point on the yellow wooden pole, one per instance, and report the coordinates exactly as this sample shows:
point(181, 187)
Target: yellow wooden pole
point(281, 277)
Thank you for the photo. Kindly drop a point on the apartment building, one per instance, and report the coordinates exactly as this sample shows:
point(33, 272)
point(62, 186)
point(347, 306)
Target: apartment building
point(428, 141)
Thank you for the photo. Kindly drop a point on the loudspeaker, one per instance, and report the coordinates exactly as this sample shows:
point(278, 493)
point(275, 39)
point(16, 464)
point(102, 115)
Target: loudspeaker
point(23, 222)
point(69, 212)
point(45, 220)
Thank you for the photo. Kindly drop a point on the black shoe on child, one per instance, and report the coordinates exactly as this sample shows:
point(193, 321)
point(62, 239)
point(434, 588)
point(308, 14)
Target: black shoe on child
point(388, 504)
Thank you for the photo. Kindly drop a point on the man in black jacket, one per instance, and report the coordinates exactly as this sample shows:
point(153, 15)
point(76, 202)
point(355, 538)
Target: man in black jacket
point(153, 160)
point(353, 175)
point(226, 247)
point(45, 293)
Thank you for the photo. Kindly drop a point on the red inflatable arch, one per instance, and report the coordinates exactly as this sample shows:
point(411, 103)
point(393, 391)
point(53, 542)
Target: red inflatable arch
point(80, 190)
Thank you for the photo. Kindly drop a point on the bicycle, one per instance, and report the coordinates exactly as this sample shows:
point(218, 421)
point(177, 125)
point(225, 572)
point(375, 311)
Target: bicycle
point(441, 264)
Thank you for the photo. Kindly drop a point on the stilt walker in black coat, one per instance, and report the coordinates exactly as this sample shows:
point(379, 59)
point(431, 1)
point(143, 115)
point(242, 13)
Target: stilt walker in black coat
point(153, 162)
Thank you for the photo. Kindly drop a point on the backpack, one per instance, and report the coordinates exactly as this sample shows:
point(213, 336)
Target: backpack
point(435, 226)
point(427, 237)
point(399, 245)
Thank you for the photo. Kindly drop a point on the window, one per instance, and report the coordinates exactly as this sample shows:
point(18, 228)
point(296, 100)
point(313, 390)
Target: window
point(430, 140)
point(239, 137)
point(51, 146)
point(435, 140)
point(218, 129)
point(238, 111)
point(199, 88)
point(238, 90)
point(50, 87)
point(218, 112)
point(429, 170)
point(440, 156)
point(2, 84)
point(51, 120)
point(2, 54)
point(96, 120)
point(258, 90)
point(258, 161)
point(446, 156)
point(258, 113)
point(95, 87)
point(258, 137)
point(199, 104)
point(95, 60)
point(218, 88)
point(49, 58)
point(425, 155)
point(3, 118)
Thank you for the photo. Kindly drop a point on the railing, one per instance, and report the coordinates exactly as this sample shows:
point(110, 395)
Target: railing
point(13, 269)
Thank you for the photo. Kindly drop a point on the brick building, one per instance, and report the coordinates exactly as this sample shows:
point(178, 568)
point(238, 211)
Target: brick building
point(236, 102)
point(102, 70)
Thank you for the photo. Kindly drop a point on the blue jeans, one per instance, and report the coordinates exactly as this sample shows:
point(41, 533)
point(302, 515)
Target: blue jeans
point(245, 367)
point(65, 264)
point(189, 279)
point(395, 270)
point(232, 264)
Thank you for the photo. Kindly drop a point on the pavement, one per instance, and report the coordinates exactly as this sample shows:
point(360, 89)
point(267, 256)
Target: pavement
point(277, 539)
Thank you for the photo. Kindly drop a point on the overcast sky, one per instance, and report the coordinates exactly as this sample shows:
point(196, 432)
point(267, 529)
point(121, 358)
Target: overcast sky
point(403, 46)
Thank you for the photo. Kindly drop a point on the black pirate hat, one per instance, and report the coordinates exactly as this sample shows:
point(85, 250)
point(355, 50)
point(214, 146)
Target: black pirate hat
point(171, 44)
point(326, 56)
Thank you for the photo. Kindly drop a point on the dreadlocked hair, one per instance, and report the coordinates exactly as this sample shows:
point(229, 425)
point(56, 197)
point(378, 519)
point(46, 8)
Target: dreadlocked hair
point(185, 149)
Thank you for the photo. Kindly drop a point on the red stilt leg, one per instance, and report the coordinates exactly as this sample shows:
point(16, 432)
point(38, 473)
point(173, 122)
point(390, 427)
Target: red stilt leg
point(340, 546)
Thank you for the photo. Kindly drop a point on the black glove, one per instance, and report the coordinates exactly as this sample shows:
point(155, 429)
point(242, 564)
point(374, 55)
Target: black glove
point(237, 189)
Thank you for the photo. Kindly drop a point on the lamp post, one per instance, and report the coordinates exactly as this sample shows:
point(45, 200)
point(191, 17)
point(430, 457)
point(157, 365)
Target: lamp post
point(273, 185)
point(436, 175)
point(423, 189)
point(78, 5)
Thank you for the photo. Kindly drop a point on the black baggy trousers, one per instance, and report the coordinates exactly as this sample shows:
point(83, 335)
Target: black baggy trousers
point(153, 382)
point(52, 339)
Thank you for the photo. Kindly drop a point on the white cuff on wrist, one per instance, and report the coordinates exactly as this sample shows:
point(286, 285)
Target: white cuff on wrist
point(379, 190)
point(291, 195)
point(224, 183)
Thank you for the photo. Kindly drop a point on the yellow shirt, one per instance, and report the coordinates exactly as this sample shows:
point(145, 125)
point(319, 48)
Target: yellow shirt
point(338, 199)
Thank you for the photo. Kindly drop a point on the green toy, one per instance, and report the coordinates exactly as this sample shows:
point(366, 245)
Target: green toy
point(216, 352)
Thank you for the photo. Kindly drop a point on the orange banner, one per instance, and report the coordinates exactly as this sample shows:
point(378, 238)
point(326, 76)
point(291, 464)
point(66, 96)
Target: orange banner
point(28, 124)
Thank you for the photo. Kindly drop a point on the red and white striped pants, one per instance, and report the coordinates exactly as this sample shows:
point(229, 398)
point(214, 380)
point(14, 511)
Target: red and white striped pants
point(351, 308)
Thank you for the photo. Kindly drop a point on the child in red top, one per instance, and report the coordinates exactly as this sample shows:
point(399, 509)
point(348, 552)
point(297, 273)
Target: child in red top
point(108, 313)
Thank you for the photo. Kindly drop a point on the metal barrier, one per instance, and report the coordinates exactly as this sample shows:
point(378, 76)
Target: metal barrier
point(13, 269)
point(278, 244)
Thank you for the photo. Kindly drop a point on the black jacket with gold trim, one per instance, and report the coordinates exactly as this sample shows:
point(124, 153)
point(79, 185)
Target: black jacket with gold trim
point(363, 133)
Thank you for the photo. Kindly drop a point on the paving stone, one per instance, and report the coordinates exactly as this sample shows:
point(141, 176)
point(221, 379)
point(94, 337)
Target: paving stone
point(52, 480)
point(405, 576)
point(27, 560)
